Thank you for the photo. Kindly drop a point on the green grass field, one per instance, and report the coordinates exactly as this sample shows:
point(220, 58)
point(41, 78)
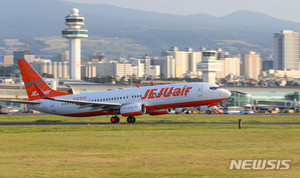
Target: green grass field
point(146, 150)
point(155, 119)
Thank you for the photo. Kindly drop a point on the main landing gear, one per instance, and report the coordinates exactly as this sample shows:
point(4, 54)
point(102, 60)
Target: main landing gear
point(131, 119)
point(115, 119)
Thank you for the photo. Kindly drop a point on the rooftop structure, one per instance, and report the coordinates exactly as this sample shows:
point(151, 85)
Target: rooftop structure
point(286, 50)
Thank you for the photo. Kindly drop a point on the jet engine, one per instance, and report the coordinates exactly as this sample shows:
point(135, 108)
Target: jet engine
point(133, 109)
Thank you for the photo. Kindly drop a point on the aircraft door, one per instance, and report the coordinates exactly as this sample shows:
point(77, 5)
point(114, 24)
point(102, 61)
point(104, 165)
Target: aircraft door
point(52, 106)
point(200, 91)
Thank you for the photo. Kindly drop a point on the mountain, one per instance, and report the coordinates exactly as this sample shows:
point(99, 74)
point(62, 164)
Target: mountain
point(238, 32)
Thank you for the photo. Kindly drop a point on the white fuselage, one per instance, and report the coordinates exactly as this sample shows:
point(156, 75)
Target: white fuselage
point(153, 97)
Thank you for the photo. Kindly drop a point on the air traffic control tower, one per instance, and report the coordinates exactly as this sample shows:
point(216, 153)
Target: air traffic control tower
point(74, 33)
point(209, 66)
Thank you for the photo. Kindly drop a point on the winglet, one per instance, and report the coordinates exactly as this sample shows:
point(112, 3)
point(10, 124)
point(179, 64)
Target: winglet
point(137, 85)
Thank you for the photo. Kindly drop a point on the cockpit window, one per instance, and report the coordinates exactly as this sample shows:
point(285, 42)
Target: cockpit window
point(214, 88)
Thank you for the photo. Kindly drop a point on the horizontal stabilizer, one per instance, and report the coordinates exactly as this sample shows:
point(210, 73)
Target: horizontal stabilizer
point(20, 101)
point(82, 103)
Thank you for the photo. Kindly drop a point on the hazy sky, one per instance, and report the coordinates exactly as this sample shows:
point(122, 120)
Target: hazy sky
point(283, 9)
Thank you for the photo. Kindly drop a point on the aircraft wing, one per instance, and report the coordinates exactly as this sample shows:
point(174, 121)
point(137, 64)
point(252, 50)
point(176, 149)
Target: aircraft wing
point(20, 101)
point(82, 103)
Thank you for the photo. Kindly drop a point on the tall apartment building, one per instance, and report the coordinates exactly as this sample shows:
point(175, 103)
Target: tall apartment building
point(153, 71)
point(230, 65)
point(122, 70)
point(104, 69)
point(145, 69)
point(57, 69)
point(251, 65)
point(140, 68)
point(177, 63)
point(286, 50)
point(167, 66)
point(64, 56)
point(88, 71)
point(116, 69)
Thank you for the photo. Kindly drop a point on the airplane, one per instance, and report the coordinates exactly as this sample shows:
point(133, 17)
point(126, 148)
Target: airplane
point(130, 102)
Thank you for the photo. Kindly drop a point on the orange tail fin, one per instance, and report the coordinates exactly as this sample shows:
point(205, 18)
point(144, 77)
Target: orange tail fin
point(31, 77)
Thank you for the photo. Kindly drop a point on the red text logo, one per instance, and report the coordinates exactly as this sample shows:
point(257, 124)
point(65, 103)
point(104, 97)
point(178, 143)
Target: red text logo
point(166, 92)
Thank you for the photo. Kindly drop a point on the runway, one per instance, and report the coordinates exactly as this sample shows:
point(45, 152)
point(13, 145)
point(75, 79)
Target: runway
point(108, 123)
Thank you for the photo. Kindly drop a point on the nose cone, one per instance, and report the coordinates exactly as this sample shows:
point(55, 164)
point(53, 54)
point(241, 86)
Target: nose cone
point(225, 93)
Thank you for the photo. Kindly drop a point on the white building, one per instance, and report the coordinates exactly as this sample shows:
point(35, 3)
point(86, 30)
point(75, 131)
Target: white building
point(167, 64)
point(153, 71)
point(177, 63)
point(104, 69)
point(145, 69)
point(229, 66)
point(122, 70)
point(251, 65)
point(286, 50)
point(57, 69)
point(282, 73)
point(88, 71)
point(140, 69)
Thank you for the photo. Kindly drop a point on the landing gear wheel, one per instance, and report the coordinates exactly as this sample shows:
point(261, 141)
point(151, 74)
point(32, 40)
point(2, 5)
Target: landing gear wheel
point(208, 112)
point(115, 119)
point(131, 119)
point(118, 119)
